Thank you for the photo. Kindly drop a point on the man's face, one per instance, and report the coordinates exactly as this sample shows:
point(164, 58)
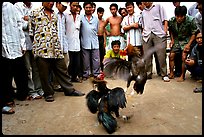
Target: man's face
point(180, 18)
point(88, 9)
point(130, 9)
point(141, 6)
point(200, 8)
point(113, 11)
point(123, 13)
point(48, 5)
point(199, 39)
point(74, 7)
point(100, 14)
point(116, 49)
point(147, 4)
point(61, 7)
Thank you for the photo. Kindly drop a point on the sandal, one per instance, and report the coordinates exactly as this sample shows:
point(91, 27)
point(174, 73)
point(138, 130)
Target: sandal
point(11, 104)
point(34, 96)
point(7, 110)
point(49, 98)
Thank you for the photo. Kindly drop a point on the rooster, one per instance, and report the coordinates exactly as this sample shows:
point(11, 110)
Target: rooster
point(106, 101)
point(133, 70)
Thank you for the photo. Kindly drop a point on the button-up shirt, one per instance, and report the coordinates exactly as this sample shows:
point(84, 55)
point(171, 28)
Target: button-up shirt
point(134, 36)
point(89, 30)
point(152, 21)
point(46, 42)
point(24, 11)
point(72, 32)
point(62, 31)
point(13, 38)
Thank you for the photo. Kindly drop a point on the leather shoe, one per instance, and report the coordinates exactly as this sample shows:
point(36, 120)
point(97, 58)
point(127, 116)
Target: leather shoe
point(76, 93)
point(76, 80)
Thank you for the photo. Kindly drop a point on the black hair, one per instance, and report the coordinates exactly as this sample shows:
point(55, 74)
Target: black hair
point(114, 5)
point(138, 3)
point(115, 42)
point(100, 9)
point(120, 10)
point(180, 11)
point(86, 3)
point(129, 3)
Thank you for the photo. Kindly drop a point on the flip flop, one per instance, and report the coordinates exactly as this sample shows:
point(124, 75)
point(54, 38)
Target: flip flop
point(7, 110)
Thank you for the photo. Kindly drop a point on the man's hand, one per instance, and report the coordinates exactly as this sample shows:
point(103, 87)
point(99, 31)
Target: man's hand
point(26, 18)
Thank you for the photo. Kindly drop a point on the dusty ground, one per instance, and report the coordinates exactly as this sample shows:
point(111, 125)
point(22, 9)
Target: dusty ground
point(163, 109)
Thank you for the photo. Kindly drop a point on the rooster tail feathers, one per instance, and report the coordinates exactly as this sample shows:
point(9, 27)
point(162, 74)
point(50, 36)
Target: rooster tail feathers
point(108, 121)
point(92, 99)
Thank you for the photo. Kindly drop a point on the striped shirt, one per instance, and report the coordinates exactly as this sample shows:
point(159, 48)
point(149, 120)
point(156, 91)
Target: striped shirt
point(25, 11)
point(62, 32)
point(13, 38)
point(134, 36)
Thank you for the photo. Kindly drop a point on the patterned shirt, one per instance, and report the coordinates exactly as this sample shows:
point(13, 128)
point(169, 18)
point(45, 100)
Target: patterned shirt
point(182, 33)
point(13, 38)
point(46, 42)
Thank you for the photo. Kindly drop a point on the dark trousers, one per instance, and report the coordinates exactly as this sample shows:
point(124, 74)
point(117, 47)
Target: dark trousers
point(101, 50)
point(13, 68)
point(74, 64)
point(59, 69)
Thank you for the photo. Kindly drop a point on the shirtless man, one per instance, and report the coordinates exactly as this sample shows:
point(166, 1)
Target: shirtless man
point(101, 35)
point(115, 27)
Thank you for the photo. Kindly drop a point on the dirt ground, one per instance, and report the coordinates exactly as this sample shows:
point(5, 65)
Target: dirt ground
point(165, 108)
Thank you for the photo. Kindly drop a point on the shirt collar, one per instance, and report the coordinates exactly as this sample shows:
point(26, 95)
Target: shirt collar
point(150, 7)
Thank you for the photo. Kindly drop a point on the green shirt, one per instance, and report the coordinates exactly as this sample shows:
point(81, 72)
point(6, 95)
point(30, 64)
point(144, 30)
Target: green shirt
point(111, 54)
point(183, 33)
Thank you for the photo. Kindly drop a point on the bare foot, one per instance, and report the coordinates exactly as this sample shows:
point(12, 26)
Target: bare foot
point(171, 76)
point(180, 79)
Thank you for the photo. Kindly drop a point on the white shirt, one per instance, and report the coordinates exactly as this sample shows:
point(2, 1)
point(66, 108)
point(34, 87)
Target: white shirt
point(25, 11)
point(134, 36)
point(72, 32)
point(13, 38)
point(61, 25)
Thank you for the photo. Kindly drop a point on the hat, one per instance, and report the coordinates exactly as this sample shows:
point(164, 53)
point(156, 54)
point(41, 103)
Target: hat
point(64, 3)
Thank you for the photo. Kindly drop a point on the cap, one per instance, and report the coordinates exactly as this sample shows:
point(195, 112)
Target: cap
point(64, 3)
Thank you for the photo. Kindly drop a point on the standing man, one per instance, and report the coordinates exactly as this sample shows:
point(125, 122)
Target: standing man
point(12, 60)
point(101, 35)
point(131, 26)
point(89, 42)
point(115, 27)
point(141, 6)
point(47, 51)
point(154, 23)
point(73, 24)
point(34, 85)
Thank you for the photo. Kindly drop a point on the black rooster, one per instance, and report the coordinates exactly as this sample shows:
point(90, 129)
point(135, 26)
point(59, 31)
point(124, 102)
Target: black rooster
point(106, 101)
point(133, 70)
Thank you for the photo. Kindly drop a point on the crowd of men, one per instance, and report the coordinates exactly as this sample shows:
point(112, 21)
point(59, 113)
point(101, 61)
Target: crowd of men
point(44, 50)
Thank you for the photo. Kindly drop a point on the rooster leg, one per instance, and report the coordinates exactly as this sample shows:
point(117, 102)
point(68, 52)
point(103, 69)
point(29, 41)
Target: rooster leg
point(125, 90)
point(117, 113)
point(132, 92)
